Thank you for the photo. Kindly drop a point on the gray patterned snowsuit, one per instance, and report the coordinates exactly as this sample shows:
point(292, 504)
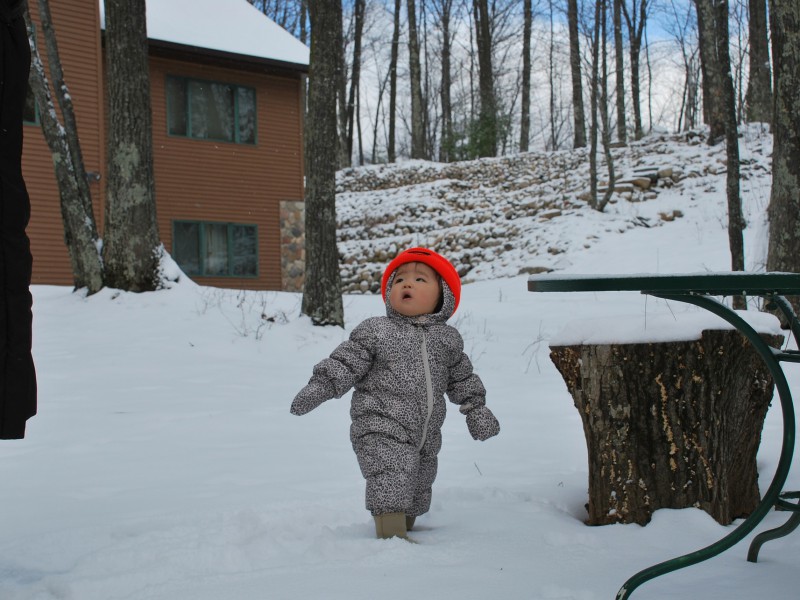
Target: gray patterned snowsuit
point(401, 368)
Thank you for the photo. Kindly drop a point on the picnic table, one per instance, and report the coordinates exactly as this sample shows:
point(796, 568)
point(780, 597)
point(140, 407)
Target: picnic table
point(700, 290)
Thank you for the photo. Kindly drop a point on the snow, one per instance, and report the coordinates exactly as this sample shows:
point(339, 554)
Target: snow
point(226, 25)
point(164, 463)
point(643, 327)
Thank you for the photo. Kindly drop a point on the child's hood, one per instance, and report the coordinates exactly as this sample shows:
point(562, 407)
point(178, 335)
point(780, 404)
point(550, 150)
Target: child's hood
point(448, 276)
point(444, 313)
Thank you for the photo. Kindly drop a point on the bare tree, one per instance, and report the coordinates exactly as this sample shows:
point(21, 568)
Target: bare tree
point(80, 230)
point(355, 76)
point(681, 22)
point(784, 205)
point(758, 100)
point(322, 297)
point(599, 109)
point(486, 134)
point(636, 20)
point(593, 93)
point(391, 151)
point(605, 123)
point(418, 149)
point(619, 55)
point(131, 247)
point(551, 68)
point(575, 65)
point(713, 23)
point(443, 11)
point(713, 102)
point(525, 116)
point(289, 14)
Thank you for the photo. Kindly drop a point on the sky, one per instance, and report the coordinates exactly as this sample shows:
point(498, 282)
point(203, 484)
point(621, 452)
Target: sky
point(164, 463)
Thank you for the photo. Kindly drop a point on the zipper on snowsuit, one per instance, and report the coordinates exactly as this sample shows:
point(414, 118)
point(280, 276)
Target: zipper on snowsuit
point(426, 365)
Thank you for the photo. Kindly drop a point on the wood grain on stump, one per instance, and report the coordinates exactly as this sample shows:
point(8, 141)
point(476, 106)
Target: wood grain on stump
point(670, 424)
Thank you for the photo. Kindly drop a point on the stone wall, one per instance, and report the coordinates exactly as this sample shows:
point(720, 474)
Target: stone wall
point(293, 253)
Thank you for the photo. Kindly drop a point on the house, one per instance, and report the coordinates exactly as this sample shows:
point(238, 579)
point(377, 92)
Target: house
point(226, 94)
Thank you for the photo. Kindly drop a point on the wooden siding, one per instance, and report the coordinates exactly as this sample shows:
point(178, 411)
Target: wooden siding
point(204, 180)
point(195, 179)
point(77, 26)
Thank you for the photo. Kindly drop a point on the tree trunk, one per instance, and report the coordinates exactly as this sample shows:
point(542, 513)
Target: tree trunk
point(342, 159)
point(713, 87)
point(355, 76)
point(712, 17)
point(619, 55)
point(759, 87)
point(80, 229)
point(605, 122)
point(391, 151)
point(552, 83)
point(131, 249)
point(579, 118)
point(670, 425)
point(736, 222)
point(415, 71)
point(487, 134)
point(322, 295)
point(447, 145)
point(525, 115)
point(64, 100)
point(636, 20)
point(784, 204)
point(593, 101)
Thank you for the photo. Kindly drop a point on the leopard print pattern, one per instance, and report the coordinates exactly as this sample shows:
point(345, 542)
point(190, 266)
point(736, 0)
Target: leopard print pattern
point(384, 360)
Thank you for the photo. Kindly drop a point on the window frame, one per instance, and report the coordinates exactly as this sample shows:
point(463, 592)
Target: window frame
point(202, 247)
point(187, 109)
point(37, 121)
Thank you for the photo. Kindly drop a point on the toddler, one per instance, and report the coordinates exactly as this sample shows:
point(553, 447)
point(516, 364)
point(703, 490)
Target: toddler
point(401, 365)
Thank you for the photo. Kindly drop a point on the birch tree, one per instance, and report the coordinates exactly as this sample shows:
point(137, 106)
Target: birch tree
point(80, 229)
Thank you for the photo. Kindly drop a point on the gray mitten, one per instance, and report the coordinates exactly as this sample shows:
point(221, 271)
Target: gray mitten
point(309, 398)
point(482, 423)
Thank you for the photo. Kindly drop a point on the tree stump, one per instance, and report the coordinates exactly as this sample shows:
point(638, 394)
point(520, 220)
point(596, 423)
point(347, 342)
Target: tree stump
point(670, 424)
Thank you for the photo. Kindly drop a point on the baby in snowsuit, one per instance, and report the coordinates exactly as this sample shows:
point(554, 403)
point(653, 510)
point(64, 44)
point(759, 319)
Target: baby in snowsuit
point(401, 365)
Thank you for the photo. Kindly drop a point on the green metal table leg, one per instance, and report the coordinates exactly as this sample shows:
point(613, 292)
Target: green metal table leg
point(784, 462)
point(772, 534)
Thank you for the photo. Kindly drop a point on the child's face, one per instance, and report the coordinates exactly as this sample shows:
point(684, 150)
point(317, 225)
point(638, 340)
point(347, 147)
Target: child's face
point(415, 290)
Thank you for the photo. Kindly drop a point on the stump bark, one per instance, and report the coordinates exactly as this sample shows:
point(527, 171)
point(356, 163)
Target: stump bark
point(670, 424)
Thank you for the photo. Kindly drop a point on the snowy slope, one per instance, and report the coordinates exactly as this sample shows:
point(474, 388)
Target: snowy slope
point(164, 463)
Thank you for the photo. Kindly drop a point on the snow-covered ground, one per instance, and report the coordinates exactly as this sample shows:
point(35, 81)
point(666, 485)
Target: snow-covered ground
point(164, 463)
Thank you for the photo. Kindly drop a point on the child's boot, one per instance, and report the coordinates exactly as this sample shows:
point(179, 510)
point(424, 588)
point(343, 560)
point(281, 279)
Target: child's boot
point(410, 522)
point(391, 525)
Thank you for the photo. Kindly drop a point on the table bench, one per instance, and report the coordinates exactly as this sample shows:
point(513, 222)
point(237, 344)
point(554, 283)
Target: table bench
point(700, 290)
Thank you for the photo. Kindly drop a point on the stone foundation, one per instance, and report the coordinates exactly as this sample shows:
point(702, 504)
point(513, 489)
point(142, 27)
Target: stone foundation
point(293, 247)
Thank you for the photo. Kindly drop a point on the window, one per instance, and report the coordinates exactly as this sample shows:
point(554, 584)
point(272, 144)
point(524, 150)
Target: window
point(211, 111)
point(215, 249)
point(30, 114)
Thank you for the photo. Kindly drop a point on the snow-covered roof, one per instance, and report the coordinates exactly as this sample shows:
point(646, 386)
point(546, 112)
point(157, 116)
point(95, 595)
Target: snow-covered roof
point(233, 26)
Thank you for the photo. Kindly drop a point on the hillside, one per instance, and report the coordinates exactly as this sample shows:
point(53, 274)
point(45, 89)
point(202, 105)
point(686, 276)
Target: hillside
point(491, 215)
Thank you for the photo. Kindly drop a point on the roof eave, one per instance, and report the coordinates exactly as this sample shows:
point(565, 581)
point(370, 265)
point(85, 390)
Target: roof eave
point(226, 59)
